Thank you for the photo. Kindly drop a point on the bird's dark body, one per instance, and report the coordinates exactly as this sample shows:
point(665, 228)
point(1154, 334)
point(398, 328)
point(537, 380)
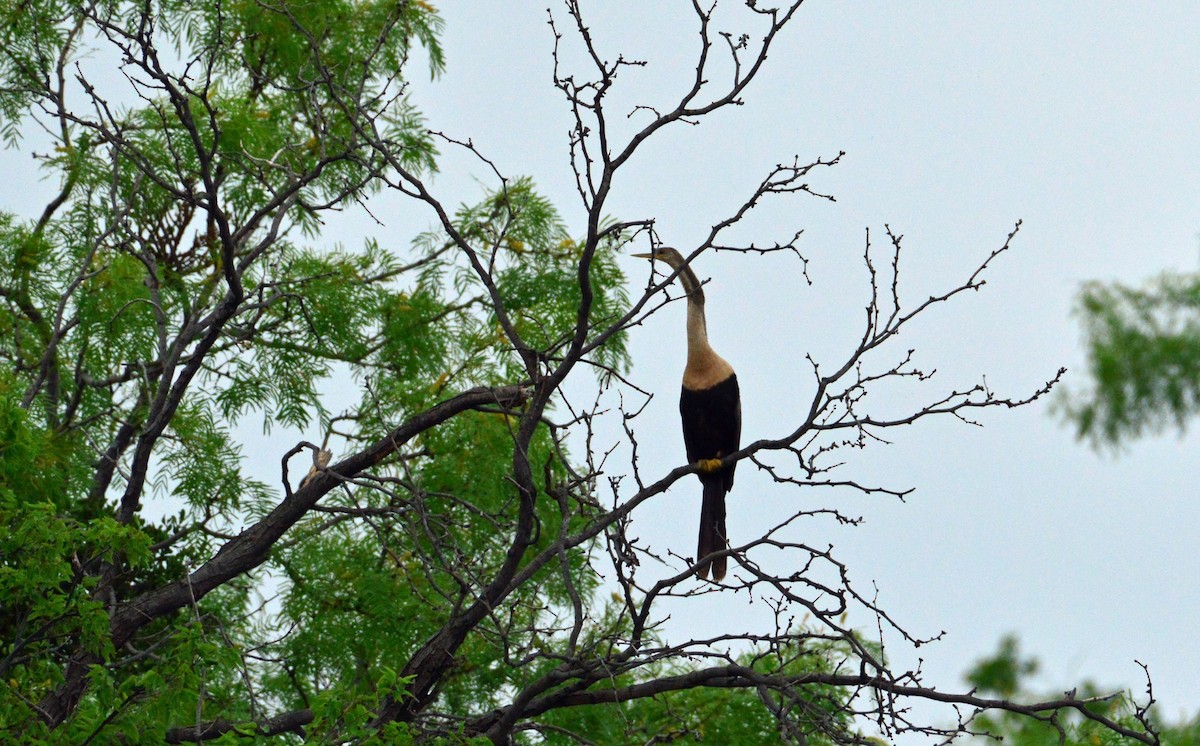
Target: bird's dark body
point(712, 425)
point(712, 429)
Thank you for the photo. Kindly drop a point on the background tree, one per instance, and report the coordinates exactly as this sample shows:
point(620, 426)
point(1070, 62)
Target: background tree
point(1006, 674)
point(1143, 359)
point(466, 565)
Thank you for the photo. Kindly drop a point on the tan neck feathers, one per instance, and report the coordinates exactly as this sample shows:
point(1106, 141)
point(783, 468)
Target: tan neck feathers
point(705, 368)
point(691, 286)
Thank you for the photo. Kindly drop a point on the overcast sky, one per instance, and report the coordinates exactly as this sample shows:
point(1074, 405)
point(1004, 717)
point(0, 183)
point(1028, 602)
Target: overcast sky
point(957, 119)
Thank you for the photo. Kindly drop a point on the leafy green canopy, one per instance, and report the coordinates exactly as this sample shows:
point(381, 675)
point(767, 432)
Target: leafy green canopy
point(1143, 347)
point(242, 122)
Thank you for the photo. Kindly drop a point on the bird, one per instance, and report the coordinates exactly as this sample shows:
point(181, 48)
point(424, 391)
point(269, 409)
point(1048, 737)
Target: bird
point(710, 406)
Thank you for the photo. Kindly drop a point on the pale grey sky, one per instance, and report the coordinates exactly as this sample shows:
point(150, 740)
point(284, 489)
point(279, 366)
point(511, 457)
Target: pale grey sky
point(957, 118)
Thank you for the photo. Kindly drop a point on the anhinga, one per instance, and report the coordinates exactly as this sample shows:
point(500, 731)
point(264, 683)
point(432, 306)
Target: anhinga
point(711, 409)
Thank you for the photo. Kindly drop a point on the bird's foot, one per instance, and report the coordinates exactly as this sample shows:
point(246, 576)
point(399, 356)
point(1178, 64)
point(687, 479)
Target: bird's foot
point(709, 465)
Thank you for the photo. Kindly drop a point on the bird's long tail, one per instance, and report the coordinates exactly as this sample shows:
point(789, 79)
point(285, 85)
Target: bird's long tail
point(712, 530)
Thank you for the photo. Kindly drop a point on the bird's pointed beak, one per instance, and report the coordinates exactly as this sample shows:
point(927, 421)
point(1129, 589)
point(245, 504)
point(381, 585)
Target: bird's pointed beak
point(642, 256)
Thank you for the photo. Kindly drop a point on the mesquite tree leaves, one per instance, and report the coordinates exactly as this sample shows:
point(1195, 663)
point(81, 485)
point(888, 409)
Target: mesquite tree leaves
point(1143, 359)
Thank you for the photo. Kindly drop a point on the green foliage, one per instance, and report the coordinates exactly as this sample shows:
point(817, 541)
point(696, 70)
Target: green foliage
point(537, 273)
point(247, 121)
point(1185, 734)
point(1143, 347)
point(1004, 675)
point(45, 593)
point(349, 585)
point(201, 463)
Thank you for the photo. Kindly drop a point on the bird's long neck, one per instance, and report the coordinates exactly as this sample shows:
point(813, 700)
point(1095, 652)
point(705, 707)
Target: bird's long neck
point(697, 331)
point(705, 368)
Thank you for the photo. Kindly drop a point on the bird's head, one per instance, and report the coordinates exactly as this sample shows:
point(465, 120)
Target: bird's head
point(666, 255)
point(675, 261)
